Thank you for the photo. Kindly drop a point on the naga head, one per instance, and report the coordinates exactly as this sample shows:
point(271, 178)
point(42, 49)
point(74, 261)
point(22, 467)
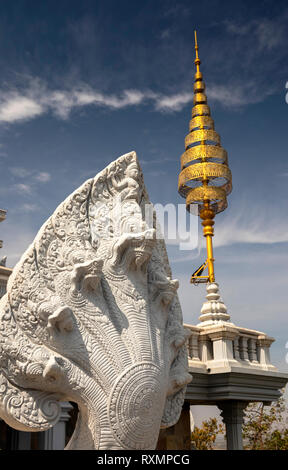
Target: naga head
point(92, 316)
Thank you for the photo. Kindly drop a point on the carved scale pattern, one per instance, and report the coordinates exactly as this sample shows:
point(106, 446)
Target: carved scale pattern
point(92, 315)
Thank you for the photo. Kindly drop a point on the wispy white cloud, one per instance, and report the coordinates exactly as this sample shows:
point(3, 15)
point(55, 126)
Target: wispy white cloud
point(62, 102)
point(155, 161)
point(266, 33)
point(42, 177)
point(174, 102)
point(237, 95)
point(15, 107)
point(29, 208)
point(37, 99)
point(19, 172)
point(258, 226)
point(22, 188)
point(263, 229)
point(29, 181)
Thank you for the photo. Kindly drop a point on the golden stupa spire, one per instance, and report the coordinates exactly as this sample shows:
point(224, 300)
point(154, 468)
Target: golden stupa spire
point(205, 177)
point(197, 60)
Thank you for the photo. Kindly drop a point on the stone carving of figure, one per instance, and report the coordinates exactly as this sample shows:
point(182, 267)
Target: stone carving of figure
point(92, 316)
point(128, 187)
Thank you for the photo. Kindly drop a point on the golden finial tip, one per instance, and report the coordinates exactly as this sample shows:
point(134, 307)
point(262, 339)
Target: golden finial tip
point(197, 60)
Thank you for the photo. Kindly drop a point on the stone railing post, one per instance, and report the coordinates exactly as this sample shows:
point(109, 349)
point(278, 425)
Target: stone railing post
point(192, 344)
point(237, 349)
point(205, 349)
point(252, 350)
point(264, 344)
point(223, 344)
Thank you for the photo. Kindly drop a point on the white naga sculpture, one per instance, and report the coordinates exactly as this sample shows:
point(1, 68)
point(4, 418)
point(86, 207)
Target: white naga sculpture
point(91, 316)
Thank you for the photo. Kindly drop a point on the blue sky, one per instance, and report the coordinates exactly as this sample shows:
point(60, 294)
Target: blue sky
point(81, 83)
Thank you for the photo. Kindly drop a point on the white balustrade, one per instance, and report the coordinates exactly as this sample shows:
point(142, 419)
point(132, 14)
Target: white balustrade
point(248, 348)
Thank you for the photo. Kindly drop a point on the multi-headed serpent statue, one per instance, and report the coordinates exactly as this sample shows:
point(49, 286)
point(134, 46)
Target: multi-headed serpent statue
point(92, 316)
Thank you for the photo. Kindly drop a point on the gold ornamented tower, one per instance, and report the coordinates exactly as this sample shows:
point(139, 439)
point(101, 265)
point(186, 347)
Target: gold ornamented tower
point(205, 177)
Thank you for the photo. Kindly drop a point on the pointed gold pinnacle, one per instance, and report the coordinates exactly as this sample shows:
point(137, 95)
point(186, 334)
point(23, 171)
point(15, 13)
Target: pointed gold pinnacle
point(197, 60)
point(205, 177)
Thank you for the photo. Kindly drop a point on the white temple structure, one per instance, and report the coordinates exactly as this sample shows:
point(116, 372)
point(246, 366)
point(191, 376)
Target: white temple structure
point(230, 366)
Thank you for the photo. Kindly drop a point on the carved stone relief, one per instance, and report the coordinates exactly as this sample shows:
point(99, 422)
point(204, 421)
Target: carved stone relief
point(91, 315)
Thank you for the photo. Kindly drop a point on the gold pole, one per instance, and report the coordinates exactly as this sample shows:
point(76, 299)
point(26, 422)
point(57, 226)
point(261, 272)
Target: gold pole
point(207, 215)
point(197, 60)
